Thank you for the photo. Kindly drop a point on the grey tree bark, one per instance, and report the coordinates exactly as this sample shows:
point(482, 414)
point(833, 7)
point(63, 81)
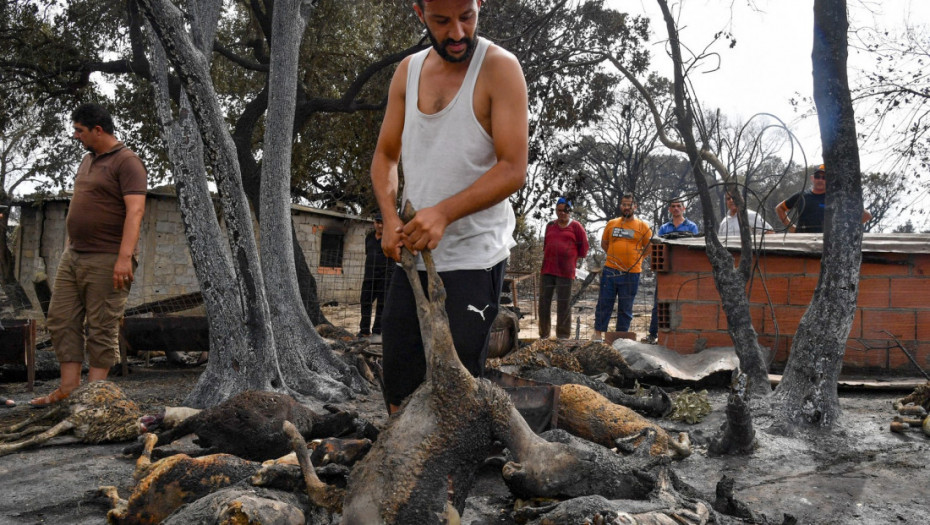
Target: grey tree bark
point(306, 361)
point(241, 322)
point(247, 345)
point(729, 279)
point(807, 395)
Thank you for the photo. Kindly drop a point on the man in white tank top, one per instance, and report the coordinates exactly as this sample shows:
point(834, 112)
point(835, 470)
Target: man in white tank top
point(456, 119)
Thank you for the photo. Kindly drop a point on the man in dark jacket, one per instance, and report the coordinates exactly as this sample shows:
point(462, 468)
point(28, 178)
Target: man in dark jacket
point(378, 270)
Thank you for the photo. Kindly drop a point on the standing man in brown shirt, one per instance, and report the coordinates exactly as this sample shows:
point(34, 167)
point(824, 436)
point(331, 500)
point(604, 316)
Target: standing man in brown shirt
point(96, 269)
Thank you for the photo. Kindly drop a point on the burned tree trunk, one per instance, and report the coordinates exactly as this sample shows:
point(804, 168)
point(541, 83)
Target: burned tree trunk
point(807, 395)
point(248, 356)
point(737, 435)
point(231, 340)
point(729, 280)
point(306, 361)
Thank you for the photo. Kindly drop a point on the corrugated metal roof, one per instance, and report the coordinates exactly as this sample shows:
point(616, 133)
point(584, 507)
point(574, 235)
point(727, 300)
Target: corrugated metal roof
point(162, 194)
point(812, 243)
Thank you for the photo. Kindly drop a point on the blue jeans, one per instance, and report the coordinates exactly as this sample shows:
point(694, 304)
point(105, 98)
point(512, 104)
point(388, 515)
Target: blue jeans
point(619, 286)
point(654, 321)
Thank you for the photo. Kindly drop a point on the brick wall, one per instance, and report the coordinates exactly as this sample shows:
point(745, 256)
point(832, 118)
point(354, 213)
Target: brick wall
point(894, 296)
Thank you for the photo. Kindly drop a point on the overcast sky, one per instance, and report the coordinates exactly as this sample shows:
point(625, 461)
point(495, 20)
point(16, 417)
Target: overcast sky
point(771, 62)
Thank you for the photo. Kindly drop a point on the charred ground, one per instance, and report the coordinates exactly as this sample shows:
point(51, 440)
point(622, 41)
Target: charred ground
point(857, 473)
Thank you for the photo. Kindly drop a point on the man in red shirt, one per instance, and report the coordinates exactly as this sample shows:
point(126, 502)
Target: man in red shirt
point(565, 243)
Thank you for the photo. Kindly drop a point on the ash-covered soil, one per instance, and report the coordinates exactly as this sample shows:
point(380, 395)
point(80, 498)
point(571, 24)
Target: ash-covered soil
point(857, 473)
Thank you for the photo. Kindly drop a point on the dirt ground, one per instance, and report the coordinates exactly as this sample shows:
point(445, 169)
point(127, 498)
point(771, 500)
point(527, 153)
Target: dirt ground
point(857, 473)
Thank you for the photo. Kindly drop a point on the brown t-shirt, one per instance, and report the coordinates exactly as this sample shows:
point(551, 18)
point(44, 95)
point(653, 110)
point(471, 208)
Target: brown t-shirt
point(97, 212)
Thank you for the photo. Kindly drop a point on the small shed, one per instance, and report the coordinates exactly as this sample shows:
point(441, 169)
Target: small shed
point(893, 305)
point(333, 244)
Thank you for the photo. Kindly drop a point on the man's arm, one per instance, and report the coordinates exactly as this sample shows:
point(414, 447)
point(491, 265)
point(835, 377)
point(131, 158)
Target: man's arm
point(384, 163)
point(583, 252)
point(510, 133)
point(782, 211)
point(122, 270)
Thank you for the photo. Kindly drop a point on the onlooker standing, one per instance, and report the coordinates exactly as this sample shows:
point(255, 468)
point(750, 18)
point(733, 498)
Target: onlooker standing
point(565, 242)
point(378, 270)
point(624, 240)
point(811, 205)
point(96, 270)
point(678, 225)
point(729, 226)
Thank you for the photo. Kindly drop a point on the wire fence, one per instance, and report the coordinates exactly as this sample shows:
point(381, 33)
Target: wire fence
point(340, 291)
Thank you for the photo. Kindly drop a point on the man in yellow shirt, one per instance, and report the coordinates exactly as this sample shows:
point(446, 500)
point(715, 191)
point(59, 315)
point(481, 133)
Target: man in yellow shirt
point(625, 240)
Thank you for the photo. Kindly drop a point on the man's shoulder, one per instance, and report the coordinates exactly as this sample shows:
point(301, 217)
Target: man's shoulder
point(500, 62)
point(121, 152)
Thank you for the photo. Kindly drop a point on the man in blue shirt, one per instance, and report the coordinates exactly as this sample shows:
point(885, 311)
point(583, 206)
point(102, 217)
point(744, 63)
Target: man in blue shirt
point(676, 208)
point(682, 227)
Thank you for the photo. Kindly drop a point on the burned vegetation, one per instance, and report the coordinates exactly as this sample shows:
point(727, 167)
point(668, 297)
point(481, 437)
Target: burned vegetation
point(263, 457)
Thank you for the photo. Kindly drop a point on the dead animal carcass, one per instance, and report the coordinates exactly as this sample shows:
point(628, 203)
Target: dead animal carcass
point(97, 412)
point(248, 425)
point(162, 487)
point(423, 465)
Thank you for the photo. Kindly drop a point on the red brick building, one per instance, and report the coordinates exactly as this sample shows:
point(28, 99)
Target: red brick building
point(894, 298)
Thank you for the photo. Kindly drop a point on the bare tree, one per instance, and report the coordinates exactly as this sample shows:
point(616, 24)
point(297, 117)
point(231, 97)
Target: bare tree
point(730, 280)
point(807, 395)
point(255, 346)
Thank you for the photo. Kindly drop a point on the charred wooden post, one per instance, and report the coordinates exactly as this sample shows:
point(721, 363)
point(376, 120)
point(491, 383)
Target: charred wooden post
point(737, 435)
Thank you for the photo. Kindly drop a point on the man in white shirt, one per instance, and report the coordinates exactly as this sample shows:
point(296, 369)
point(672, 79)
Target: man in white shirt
point(729, 226)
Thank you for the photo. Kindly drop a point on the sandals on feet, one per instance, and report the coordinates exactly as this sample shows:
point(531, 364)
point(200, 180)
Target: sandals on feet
point(50, 399)
point(6, 402)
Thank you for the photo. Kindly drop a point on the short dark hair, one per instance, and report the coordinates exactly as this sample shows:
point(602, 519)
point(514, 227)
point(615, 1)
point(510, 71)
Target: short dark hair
point(91, 115)
point(678, 200)
point(628, 195)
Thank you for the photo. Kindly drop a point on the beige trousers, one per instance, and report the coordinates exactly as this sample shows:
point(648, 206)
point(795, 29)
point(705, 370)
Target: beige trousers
point(84, 301)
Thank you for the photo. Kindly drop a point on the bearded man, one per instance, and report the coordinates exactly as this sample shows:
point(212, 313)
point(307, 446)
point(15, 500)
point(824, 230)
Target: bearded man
point(457, 119)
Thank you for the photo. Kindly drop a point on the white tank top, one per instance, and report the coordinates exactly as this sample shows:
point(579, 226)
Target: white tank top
point(444, 153)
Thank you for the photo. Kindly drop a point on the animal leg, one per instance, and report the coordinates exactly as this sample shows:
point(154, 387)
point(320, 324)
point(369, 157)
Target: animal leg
point(47, 414)
point(321, 494)
point(111, 493)
point(144, 463)
point(28, 432)
point(38, 439)
point(183, 429)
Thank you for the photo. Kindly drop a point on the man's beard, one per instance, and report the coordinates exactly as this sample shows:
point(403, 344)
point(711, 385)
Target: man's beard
point(627, 213)
point(441, 49)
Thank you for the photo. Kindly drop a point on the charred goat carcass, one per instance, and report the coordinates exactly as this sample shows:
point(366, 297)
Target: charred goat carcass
point(164, 486)
point(248, 425)
point(424, 463)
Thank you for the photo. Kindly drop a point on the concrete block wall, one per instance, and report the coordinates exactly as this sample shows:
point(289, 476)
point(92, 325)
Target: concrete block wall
point(894, 297)
point(342, 285)
point(165, 267)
